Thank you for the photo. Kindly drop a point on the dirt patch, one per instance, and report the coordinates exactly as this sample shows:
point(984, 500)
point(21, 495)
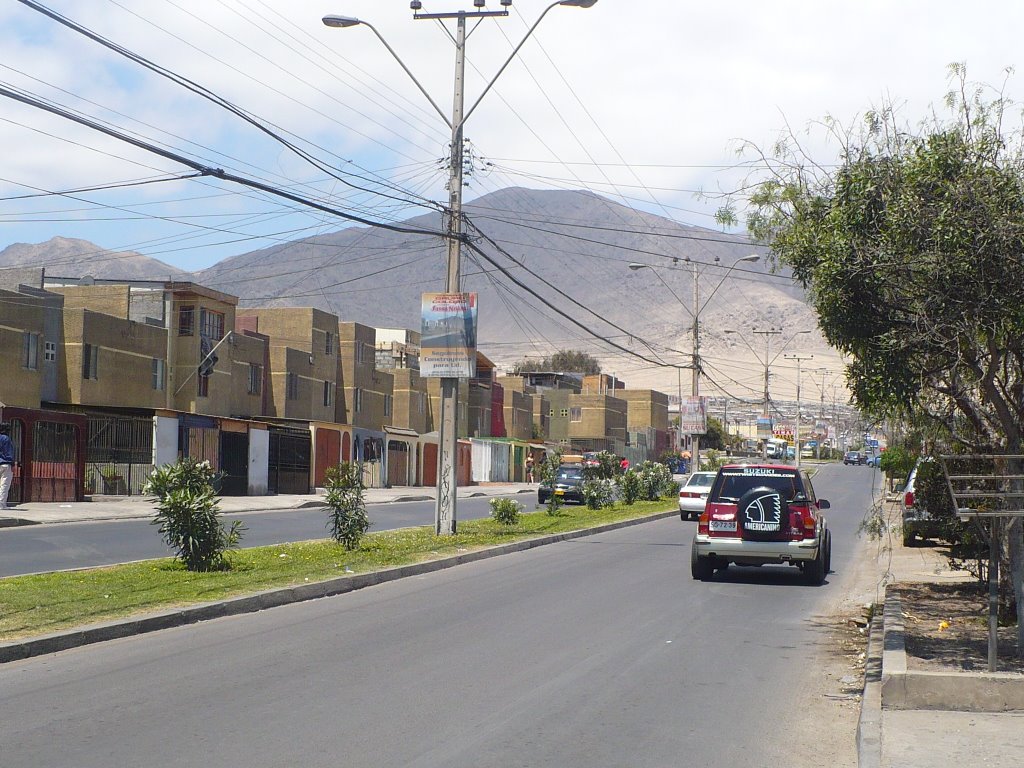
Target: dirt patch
point(946, 627)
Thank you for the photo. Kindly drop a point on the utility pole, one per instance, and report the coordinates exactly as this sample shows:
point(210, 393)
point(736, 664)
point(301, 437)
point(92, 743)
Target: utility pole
point(767, 362)
point(695, 359)
point(799, 359)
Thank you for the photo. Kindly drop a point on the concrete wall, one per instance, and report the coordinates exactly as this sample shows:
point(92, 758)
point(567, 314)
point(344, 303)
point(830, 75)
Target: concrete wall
point(20, 386)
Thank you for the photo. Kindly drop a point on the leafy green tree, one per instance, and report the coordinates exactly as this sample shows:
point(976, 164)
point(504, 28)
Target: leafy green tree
point(716, 437)
point(911, 251)
point(563, 361)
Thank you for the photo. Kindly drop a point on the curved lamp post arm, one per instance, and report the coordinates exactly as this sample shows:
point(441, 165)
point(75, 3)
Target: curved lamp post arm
point(750, 259)
point(333, 20)
point(786, 344)
point(572, 3)
point(636, 266)
point(746, 343)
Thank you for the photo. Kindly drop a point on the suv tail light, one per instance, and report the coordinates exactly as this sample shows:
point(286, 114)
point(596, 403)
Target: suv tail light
point(702, 523)
point(908, 499)
point(802, 522)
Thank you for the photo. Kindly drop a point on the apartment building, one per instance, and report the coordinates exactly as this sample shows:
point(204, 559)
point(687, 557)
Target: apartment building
point(303, 377)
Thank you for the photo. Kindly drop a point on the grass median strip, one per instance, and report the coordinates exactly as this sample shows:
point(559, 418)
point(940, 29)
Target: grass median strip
point(50, 602)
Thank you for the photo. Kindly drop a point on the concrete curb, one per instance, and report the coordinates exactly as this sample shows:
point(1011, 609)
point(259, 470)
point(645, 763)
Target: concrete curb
point(948, 691)
point(14, 522)
point(98, 633)
point(869, 724)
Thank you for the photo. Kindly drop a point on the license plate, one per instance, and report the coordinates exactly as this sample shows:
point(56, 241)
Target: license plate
point(722, 525)
point(559, 493)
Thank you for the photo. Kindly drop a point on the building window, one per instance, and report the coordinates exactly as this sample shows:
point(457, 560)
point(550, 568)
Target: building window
point(359, 351)
point(158, 374)
point(211, 324)
point(575, 413)
point(292, 387)
point(255, 379)
point(90, 361)
point(186, 320)
point(49, 351)
point(420, 401)
point(30, 351)
point(357, 400)
point(388, 404)
point(203, 388)
point(564, 413)
point(329, 344)
point(327, 392)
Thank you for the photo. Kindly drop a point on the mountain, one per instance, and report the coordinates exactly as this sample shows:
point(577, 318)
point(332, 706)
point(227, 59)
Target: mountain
point(573, 248)
point(67, 257)
point(570, 253)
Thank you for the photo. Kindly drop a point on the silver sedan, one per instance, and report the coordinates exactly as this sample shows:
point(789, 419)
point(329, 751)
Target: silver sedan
point(693, 494)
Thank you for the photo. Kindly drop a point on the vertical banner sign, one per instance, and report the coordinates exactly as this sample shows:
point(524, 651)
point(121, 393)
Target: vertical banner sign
point(693, 418)
point(764, 427)
point(448, 335)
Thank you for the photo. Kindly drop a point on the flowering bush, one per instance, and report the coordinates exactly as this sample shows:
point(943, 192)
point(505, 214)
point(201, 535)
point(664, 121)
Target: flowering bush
point(505, 511)
point(347, 519)
point(598, 493)
point(187, 514)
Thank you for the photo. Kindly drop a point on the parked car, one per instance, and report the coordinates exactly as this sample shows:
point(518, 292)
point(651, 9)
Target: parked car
point(694, 493)
point(917, 521)
point(757, 514)
point(854, 457)
point(566, 484)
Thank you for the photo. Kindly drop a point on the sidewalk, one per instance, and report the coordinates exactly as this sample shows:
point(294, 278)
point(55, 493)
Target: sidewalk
point(908, 737)
point(136, 507)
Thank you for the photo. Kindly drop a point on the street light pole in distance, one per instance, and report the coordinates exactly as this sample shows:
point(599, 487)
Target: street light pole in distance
point(447, 459)
point(698, 307)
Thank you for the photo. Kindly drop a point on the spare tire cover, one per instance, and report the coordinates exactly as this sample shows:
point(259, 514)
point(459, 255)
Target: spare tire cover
point(763, 514)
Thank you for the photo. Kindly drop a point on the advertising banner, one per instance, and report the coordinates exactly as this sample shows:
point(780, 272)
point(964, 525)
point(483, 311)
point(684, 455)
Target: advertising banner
point(693, 416)
point(764, 427)
point(448, 330)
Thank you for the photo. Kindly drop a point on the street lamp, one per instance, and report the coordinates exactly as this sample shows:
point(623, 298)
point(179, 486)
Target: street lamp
point(695, 314)
point(767, 362)
point(447, 478)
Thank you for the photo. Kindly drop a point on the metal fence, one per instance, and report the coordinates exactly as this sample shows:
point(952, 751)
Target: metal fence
point(118, 455)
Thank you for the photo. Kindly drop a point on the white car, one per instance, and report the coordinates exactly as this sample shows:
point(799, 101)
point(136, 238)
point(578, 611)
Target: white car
point(693, 495)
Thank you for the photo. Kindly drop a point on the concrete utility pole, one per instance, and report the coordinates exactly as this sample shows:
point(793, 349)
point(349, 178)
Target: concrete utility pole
point(799, 359)
point(447, 459)
point(767, 401)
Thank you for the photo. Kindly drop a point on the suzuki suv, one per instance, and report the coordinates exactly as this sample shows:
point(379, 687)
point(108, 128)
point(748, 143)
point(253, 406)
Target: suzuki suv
point(762, 513)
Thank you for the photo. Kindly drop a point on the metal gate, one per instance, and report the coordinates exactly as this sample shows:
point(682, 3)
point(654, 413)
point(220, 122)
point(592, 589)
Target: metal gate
point(53, 475)
point(15, 494)
point(234, 463)
point(118, 454)
point(289, 461)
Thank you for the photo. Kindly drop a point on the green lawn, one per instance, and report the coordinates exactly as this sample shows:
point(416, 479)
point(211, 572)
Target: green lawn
point(44, 603)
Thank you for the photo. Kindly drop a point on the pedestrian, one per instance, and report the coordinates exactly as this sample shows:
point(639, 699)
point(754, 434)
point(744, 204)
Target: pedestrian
point(624, 464)
point(529, 469)
point(6, 463)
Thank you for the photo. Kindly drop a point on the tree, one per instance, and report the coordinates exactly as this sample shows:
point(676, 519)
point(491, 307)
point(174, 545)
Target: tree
point(716, 437)
point(563, 361)
point(911, 252)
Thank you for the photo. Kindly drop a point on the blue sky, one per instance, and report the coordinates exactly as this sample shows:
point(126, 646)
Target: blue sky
point(644, 102)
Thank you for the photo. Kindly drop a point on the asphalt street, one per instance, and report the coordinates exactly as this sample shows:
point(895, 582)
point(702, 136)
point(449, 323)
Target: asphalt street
point(600, 651)
point(55, 547)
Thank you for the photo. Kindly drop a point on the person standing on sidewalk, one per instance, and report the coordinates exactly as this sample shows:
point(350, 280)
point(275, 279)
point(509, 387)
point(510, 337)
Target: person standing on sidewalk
point(529, 468)
point(6, 463)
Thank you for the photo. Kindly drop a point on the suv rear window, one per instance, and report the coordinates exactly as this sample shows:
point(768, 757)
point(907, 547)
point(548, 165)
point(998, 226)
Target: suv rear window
point(733, 482)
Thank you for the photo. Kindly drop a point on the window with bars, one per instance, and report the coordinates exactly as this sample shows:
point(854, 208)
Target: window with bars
point(49, 351)
point(329, 344)
point(357, 400)
point(158, 374)
point(90, 361)
point(388, 404)
point(211, 324)
point(576, 413)
point(359, 351)
point(30, 351)
point(292, 387)
point(328, 388)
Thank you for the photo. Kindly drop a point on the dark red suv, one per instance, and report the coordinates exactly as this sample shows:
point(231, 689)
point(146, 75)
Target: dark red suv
point(762, 513)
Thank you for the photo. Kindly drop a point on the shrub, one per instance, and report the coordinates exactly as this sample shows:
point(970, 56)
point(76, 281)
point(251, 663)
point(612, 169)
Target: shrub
point(655, 481)
point(347, 520)
point(188, 516)
point(505, 511)
point(629, 486)
point(598, 493)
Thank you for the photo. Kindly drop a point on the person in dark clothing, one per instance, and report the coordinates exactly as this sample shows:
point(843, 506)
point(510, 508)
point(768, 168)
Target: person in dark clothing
point(6, 463)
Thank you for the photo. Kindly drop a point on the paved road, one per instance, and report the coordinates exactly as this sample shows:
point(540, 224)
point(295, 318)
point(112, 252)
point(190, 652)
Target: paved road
point(54, 547)
point(596, 652)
